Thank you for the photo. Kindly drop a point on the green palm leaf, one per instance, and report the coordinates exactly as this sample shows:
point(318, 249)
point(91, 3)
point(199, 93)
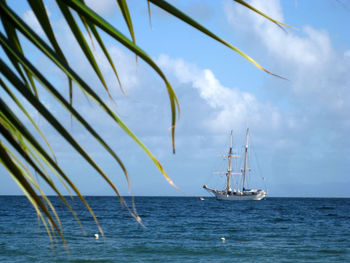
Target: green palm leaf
point(12, 36)
point(45, 113)
point(23, 152)
point(26, 64)
point(97, 36)
point(113, 32)
point(43, 18)
point(126, 14)
point(15, 171)
point(81, 40)
point(278, 23)
point(18, 103)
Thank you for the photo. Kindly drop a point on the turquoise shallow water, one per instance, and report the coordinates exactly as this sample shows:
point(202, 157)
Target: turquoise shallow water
point(184, 230)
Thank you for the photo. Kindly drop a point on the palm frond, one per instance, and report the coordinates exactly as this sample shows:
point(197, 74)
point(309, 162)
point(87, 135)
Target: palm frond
point(20, 77)
point(13, 39)
point(39, 10)
point(21, 180)
point(116, 34)
point(278, 23)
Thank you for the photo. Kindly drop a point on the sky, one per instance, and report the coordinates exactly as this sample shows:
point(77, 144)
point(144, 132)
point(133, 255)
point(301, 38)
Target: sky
point(299, 125)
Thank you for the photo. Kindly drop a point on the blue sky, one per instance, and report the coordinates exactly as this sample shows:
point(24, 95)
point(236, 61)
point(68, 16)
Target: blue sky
point(299, 126)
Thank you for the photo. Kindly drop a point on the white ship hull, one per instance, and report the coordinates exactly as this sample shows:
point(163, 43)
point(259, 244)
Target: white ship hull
point(249, 195)
point(243, 197)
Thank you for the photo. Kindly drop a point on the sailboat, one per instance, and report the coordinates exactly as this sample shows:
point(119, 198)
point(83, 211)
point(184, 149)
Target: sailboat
point(237, 194)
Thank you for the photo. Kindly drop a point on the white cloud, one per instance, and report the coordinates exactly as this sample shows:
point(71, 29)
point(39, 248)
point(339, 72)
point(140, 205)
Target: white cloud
point(310, 50)
point(317, 72)
point(229, 106)
point(102, 7)
point(347, 54)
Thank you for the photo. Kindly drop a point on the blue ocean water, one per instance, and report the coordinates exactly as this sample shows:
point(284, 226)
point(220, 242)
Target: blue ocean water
point(182, 229)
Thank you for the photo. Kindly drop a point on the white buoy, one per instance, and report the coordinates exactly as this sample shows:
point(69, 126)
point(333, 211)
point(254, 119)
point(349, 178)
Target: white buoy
point(96, 236)
point(223, 239)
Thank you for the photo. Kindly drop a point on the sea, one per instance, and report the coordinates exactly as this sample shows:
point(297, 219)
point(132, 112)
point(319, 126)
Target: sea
point(181, 229)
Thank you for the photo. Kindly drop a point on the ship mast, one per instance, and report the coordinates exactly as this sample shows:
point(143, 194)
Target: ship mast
point(245, 159)
point(229, 169)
